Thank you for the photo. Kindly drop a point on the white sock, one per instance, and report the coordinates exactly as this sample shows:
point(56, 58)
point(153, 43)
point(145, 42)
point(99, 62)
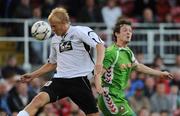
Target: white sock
point(23, 113)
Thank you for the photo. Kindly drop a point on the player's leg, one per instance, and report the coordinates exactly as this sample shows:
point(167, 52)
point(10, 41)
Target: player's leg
point(82, 95)
point(116, 107)
point(47, 94)
point(39, 101)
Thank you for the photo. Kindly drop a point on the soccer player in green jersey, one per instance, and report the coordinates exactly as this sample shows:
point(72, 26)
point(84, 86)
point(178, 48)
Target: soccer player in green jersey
point(118, 64)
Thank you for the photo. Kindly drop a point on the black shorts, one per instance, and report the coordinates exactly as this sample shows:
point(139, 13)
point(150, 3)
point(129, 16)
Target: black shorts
point(78, 89)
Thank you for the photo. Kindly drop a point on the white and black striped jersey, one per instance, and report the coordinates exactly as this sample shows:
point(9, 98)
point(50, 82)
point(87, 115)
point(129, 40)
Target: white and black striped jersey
point(69, 52)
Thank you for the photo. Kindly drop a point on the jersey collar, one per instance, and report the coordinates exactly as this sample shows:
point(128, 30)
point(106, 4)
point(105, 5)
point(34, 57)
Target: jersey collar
point(120, 48)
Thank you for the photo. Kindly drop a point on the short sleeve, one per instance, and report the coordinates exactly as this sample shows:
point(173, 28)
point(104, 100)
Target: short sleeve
point(53, 55)
point(88, 36)
point(134, 61)
point(109, 58)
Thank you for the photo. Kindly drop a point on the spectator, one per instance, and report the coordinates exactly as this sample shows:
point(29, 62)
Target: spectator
point(175, 11)
point(136, 82)
point(173, 97)
point(48, 110)
point(3, 97)
point(139, 101)
point(164, 113)
point(159, 63)
point(140, 5)
point(37, 13)
point(47, 7)
point(7, 8)
point(90, 13)
point(140, 57)
point(2, 112)
point(148, 16)
point(169, 18)
point(162, 8)
point(11, 68)
point(176, 80)
point(177, 112)
point(144, 112)
point(149, 87)
point(110, 13)
point(159, 101)
point(176, 67)
point(23, 10)
point(155, 114)
point(127, 7)
point(19, 96)
point(35, 85)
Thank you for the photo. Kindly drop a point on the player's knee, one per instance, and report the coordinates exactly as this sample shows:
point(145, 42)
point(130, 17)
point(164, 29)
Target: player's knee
point(38, 102)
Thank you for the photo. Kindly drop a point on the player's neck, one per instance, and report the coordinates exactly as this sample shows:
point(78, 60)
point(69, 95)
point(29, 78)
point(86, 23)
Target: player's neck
point(121, 44)
point(65, 29)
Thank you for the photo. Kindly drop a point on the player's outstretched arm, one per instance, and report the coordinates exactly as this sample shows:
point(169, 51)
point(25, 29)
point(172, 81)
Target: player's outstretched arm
point(147, 70)
point(42, 70)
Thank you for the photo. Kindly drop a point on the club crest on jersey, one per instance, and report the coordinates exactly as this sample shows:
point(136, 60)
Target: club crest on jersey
point(122, 110)
point(65, 46)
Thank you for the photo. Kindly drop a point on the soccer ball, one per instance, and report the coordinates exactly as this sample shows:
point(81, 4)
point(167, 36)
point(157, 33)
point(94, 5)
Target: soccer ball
point(41, 30)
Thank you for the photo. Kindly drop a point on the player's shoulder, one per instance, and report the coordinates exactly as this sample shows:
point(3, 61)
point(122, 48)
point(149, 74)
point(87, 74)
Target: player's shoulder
point(55, 39)
point(129, 49)
point(111, 49)
point(82, 28)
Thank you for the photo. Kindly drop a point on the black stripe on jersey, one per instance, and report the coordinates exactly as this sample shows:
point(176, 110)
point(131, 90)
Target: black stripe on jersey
point(88, 49)
point(94, 38)
point(64, 35)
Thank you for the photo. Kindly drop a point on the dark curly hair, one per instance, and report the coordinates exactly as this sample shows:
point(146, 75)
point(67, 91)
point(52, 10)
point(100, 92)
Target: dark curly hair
point(120, 22)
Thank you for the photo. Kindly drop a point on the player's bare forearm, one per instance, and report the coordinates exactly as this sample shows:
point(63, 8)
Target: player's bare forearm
point(147, 70)
point(100, 49)
point(100, 53)
point(44, 69)
point(97, 81)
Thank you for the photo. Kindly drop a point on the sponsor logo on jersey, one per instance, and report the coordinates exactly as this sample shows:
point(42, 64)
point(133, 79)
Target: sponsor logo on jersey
point(125, 66)
point(65, 46)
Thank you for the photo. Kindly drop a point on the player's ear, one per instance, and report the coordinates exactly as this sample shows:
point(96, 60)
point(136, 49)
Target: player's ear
point(116, 34)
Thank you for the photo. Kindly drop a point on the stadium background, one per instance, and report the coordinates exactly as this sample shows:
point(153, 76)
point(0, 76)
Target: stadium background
point(156, 42)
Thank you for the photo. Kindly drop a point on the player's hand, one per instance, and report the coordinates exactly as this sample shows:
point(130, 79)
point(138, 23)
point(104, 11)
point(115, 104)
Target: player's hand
point(100, 90)
point(97, 82)
point(166, 74)
point(98, 69)
point(26, 77)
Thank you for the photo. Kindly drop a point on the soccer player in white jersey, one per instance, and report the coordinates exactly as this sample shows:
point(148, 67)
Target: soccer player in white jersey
point(72, 62)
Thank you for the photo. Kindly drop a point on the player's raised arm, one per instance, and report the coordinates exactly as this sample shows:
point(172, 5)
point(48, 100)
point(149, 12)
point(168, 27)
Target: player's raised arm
point(147, 70)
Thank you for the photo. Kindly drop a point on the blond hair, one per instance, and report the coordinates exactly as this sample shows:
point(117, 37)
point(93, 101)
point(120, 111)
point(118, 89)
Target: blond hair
point(59, 13)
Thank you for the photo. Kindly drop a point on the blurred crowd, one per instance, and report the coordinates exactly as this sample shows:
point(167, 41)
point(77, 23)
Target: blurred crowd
point(147, 95)
point(107, 11)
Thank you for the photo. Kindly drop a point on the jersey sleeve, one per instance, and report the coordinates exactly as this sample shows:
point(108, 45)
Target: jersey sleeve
point(88, 36)
point(109, 58)
point(53, 55)
point(134, 61)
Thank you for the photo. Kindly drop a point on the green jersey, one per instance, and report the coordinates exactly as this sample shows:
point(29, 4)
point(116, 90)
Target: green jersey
point(119, 64)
